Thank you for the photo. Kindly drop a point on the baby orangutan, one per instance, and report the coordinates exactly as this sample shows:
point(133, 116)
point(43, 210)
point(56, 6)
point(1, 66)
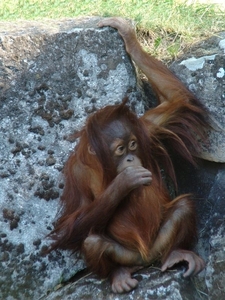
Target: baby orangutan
point(116, 209)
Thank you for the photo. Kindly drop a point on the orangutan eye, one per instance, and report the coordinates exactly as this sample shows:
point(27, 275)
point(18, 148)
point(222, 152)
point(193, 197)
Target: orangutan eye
point(120, 150)
point(132, 145)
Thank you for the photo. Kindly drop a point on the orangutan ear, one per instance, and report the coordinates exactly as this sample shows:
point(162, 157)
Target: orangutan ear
point(91, 150)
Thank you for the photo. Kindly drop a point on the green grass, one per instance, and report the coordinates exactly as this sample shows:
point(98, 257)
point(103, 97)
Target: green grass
point(164, 27)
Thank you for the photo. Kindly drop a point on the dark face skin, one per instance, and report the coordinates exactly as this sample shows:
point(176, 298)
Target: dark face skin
point(123, 145)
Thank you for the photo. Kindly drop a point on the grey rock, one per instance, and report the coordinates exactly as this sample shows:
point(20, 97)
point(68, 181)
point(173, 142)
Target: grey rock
point(203, 71)
point(53, 74)
point(152, 285)
point(206, 183)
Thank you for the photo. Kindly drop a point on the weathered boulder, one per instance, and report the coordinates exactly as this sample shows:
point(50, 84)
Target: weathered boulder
point(53, 74)
point(203, 71)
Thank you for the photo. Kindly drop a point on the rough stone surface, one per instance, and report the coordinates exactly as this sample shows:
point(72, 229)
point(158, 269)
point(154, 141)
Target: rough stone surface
point(152, 285)
point(206, 183)
point(52, 76)
point(203, 71)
